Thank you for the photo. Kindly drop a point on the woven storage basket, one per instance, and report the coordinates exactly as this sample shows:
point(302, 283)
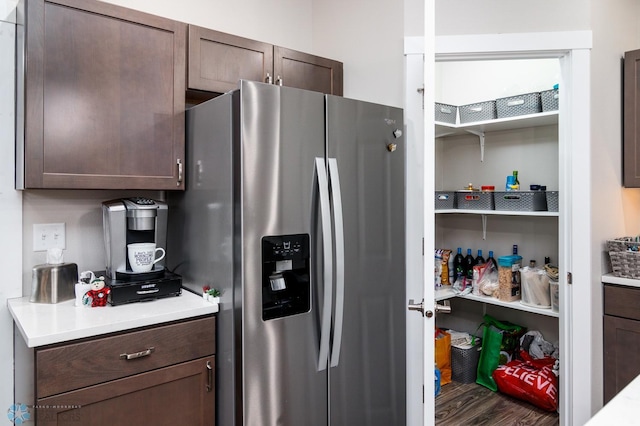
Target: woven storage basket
point(464, 363)
point(523, 201)
point(446, 113)
point(477, 112)
point(474, 200)
point(518, 105)
point(445, 200)
point(625, 257)
point(549, 100)
point(552, 201)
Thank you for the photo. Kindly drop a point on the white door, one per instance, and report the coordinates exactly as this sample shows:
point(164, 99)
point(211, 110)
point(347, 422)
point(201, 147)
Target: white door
point(575, 340)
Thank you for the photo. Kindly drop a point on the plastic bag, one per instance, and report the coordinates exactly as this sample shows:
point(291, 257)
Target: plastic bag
point(500, 341)
point(485, 279)
point(443, 355)
point(529, 380)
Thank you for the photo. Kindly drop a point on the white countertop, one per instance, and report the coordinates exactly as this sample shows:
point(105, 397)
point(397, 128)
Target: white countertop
point(43, 324)
point(612, 279)
point(622, 409)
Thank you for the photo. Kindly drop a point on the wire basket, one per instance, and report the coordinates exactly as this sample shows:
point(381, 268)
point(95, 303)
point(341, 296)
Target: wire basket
point(625, 256)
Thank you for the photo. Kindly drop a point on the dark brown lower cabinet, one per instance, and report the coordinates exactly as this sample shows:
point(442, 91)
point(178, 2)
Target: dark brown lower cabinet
point(157, 375)
point(621, 338)
point(182, 394)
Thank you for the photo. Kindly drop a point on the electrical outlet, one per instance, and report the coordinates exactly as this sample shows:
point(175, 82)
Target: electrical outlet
point(48, 235)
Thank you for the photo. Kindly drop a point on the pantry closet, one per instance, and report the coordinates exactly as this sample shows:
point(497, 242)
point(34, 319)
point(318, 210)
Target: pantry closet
point(542, 147)
point(482, 150)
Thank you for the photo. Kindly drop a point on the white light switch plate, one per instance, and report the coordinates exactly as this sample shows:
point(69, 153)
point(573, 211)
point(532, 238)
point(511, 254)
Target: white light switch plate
point(48, 235)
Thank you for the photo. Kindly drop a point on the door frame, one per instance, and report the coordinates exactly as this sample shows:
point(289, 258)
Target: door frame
point(576, 398)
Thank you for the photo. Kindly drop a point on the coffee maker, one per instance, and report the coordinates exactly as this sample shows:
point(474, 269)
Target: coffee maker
point(135, 220)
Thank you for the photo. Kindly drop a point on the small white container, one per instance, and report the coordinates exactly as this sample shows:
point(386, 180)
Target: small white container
point(535, 288)
point(554, 293)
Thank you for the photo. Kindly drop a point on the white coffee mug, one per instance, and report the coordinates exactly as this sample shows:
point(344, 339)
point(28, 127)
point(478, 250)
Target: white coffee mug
point(142, 256)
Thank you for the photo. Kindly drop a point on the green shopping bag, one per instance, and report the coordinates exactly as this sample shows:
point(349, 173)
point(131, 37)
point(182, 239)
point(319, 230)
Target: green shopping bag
point(500, 339)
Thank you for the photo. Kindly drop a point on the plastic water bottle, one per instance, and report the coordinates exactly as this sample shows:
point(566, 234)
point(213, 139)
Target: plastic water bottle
point(438, 377)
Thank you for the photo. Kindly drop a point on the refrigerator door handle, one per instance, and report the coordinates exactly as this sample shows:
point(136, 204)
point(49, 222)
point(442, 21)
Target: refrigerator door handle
point(338, 224)
point(325, 217)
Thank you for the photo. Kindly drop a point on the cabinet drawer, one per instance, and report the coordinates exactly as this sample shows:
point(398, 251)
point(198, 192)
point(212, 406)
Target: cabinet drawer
point(76, 365)
point(622, 301)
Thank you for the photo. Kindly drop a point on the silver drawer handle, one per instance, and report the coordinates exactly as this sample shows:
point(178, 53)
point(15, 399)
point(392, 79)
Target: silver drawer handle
point(155, 290)
point(137, 354)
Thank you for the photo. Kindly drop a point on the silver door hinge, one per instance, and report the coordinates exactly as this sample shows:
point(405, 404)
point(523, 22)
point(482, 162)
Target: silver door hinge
point(569, 278)
point(423, 246)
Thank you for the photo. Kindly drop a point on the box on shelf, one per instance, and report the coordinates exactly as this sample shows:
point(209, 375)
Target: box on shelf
point(625, 257)
point(445, 200)
point(464, 362)
point(535, 287)
point(552, 201)
point(520, 201)
point(549, 100)
point(446, 113)
point(477, 112)
point(518, 105)
point(474, 200)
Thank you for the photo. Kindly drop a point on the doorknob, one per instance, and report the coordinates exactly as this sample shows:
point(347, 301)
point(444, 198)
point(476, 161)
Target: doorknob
point(413, 306)
point(445, 308)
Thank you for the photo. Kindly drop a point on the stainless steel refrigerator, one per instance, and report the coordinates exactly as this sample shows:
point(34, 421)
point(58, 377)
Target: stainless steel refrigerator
point(294, 209)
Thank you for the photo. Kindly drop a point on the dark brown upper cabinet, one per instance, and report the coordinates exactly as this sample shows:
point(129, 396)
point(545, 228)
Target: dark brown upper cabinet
point(304, 71)
point(631, 139)
point(101, 97)
point(218, 60)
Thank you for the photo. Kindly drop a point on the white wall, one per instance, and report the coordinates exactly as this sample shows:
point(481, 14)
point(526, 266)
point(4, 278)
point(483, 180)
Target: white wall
point(615, 210)
point(369, 39)
point(10, 204)
point(456, 17)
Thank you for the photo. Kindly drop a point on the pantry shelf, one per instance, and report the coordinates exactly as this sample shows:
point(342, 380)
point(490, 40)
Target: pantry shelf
point(509, 123)
point(498, 212)
point(447, 293)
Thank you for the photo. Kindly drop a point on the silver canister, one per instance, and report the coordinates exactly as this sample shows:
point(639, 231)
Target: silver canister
point(53, 283)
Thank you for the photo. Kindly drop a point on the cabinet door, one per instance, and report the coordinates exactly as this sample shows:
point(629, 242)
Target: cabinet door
point(621, 346)
point(631, 144)
point(104, 97)
point(304, 71)
point(182, 394)
point(218, 60)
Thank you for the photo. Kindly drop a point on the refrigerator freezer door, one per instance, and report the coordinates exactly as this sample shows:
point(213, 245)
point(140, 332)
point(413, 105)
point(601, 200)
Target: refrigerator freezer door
point(281, 135)
point(368, 384)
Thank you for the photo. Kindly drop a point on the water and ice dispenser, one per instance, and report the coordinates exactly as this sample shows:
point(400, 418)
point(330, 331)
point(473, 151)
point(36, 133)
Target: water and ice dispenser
point(286, 286)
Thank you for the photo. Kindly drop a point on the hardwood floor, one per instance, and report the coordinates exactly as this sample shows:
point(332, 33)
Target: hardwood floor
point(473, 404)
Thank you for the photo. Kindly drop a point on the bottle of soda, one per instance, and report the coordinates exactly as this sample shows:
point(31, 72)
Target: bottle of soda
point(458, 268)
point(469, 261)
point(480, 260)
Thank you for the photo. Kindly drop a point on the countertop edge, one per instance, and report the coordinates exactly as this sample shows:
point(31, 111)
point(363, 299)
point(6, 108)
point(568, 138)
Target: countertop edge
point(45, 324)
point(612, 279)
